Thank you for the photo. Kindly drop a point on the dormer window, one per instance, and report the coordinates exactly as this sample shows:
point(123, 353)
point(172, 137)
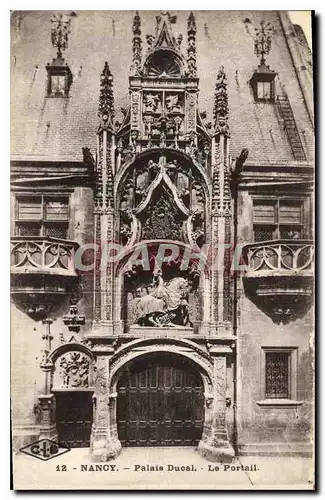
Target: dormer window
point(59, 79)
point(262, 83)
point(59, 76)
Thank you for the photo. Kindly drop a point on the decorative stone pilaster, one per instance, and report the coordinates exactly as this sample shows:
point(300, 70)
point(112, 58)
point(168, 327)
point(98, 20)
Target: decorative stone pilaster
point(104, 441)
point(214, 445)
point(221, 234)
point(135, 108)
point(104, 206)
point(191, 113)
point(47, 400)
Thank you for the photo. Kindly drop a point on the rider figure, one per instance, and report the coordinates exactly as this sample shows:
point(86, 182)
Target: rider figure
point(159, 290)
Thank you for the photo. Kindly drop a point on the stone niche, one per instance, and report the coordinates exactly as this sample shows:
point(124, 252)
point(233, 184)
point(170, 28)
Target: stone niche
point(161, 299)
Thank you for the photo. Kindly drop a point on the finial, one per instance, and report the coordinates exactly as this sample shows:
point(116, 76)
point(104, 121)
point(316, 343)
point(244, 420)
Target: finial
point(136, 41)
point(263, 40)
point(191, 45)
point(220, 112)
point(106, 98)
point(60, 33)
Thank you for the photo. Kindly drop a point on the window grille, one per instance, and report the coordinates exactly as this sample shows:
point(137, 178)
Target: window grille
point(277, 375)
point(263, 233)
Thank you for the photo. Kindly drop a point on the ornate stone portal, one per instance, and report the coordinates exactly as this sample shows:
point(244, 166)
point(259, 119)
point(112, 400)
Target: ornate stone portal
point(161, 179)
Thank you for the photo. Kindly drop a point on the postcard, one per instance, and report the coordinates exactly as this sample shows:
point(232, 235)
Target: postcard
point(162, 255)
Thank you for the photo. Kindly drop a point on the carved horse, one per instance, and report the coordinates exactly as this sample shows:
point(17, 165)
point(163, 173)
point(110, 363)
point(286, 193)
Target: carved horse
point(164, 306)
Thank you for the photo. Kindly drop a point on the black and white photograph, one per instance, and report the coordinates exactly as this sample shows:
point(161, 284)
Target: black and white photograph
point(162, 169)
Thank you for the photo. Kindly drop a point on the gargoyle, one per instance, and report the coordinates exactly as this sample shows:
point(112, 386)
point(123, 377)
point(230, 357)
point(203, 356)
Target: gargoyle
point(237, 165)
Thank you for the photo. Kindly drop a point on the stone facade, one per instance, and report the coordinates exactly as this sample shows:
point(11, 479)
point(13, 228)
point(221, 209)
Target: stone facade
point(142, 172)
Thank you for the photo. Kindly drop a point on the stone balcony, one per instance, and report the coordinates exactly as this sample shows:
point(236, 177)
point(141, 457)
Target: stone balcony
point(42, 273)
point(279, 277)
point(280, 257)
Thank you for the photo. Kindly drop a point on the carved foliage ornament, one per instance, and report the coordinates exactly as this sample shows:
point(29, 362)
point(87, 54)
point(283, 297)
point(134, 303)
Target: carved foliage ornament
point(136, 43)
point(106, 98)
point(221, 110)
point(101, 392)
point(191, 46)
point(101, 376)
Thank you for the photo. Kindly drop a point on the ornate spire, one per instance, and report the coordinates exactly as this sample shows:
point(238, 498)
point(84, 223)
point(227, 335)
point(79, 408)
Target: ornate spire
point(136, 42)
point(106, 99)
point(220, 111)
point(60, 33)
point(191, 45)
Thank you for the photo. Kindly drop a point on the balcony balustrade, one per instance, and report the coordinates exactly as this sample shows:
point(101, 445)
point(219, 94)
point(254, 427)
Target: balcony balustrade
point(44, 255)
point(280, 257)
point(279, 277)
point(42, 273)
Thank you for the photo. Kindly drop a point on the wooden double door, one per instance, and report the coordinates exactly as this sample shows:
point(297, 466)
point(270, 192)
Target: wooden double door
point(160, 403)
point(74, 416)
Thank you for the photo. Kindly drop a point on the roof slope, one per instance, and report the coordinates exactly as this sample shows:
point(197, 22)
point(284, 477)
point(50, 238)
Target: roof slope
point(57, 128)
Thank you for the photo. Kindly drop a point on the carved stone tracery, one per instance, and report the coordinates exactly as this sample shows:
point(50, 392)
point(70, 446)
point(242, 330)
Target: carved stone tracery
point(162, 200)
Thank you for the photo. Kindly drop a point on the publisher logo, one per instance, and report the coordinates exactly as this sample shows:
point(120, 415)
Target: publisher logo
point(44, 449)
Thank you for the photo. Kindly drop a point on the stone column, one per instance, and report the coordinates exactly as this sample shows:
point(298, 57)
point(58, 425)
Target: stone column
point(47, 400)
point(214, 445)
point(104, 442)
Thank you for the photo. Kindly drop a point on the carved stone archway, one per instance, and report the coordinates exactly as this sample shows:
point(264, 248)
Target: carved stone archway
point(214, 444)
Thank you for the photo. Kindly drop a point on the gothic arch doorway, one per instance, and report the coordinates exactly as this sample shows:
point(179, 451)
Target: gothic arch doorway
point(160, 402)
